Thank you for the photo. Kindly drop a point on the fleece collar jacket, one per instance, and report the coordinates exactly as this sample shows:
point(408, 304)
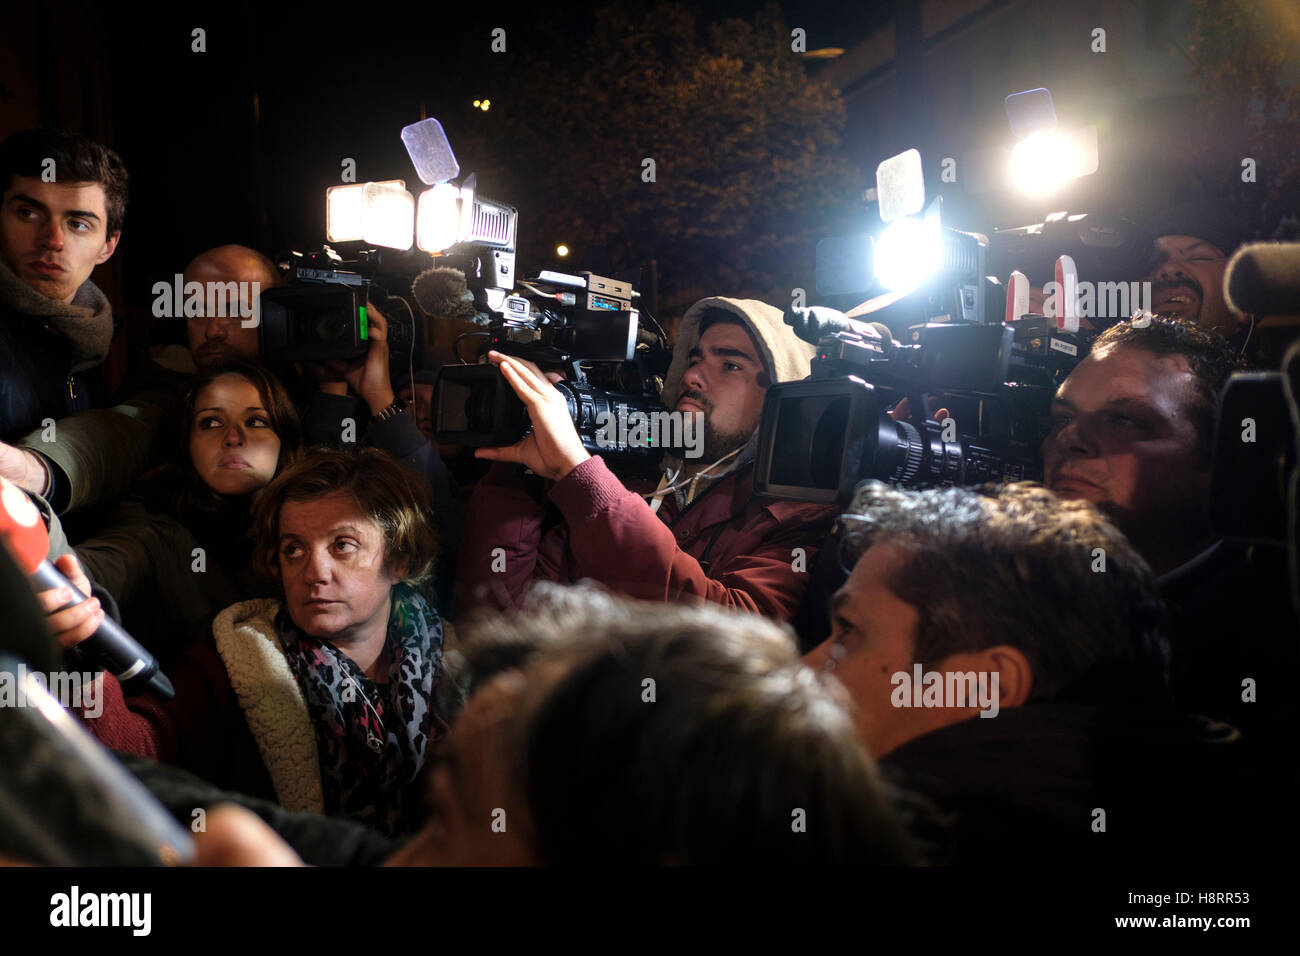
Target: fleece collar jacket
point(272, 702)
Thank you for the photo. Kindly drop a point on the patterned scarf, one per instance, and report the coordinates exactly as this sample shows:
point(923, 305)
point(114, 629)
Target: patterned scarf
point(372, 738)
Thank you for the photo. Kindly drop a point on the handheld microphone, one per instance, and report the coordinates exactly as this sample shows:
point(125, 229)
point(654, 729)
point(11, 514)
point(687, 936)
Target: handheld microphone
point(72, 804)
point(120, 654)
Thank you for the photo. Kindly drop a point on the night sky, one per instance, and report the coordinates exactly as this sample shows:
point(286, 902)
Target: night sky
point(205, 170)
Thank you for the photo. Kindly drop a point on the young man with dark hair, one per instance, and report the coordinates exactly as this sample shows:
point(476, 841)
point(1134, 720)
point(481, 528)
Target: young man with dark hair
point(62, 199)
point(61, 211)
point(1133, 433)
point(701, 535)
point(1002, 648)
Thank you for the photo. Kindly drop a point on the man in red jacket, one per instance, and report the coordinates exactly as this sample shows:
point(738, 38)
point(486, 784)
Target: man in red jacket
point(702, 534)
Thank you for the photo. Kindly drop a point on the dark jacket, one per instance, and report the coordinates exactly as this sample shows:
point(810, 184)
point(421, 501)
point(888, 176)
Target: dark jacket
point(726, 545)
point(319, 840)
point(172, 575)
point(1027, 786)
point(46, 347)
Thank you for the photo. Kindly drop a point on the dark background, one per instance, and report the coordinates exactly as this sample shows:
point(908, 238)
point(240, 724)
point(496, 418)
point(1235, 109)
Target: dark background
point(238, 143)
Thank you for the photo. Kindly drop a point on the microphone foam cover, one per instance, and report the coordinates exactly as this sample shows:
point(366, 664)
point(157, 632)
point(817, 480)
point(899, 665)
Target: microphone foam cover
point(22, 528)
point(443, 293)
point(1264, 279)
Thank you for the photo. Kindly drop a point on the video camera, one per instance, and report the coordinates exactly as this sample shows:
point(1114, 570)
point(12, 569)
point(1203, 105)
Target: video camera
point(321, 313)
point(821, 436)
point(585, 325)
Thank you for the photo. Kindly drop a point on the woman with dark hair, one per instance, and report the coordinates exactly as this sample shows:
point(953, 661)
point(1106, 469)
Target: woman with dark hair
point(179, 550)
point(323, 698)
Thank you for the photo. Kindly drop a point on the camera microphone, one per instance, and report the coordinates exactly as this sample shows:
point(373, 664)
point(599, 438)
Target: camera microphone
point(1264, 279)
point(24, 531)
point(443, 293)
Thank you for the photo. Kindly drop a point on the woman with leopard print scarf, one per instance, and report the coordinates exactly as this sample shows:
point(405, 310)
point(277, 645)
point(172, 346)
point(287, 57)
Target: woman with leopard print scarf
point(332, 692)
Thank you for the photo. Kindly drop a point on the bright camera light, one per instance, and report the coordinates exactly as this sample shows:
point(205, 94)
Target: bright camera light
point(1037, 165)
point(907, 252)
point(561, 250)
point(438, 219)
point(345, 210)
point(388, 215)
point(1043, 162)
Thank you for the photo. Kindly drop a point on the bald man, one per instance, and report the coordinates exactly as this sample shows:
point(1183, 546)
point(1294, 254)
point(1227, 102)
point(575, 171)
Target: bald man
point(214, 339)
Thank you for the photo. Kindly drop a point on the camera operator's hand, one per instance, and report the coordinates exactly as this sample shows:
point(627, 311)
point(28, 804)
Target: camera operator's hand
point(369, 377)
point(72, 625)
point(554, 448)
point(902, 412)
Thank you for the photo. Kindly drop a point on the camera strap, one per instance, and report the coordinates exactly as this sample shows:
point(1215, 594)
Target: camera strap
point(657, 498)
point(669, 482)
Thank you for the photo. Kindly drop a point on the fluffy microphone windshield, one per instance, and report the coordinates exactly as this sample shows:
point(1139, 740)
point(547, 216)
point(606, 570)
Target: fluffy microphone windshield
point(1264, 279)
point(442, 293)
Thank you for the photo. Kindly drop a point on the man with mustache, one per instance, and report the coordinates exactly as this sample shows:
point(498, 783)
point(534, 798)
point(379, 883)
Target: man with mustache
point(1191, 248)
point(702, 534)
point(1133, 432)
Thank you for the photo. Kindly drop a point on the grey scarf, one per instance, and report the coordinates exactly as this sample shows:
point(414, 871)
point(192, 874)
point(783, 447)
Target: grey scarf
point(86, 322)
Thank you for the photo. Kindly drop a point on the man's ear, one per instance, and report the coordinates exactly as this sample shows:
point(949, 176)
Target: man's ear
point(110, 246)
point(1015, 676)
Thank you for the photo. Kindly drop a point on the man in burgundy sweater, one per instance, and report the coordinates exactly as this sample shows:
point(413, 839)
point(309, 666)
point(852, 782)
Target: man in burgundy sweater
point(702, 534)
